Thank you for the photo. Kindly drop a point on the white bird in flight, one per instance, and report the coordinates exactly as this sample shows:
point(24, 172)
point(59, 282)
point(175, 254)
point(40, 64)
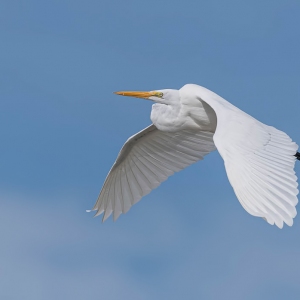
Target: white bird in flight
point(190, 123)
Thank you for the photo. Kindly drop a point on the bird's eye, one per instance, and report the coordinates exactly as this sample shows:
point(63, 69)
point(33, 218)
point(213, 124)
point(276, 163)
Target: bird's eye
point(160, 95)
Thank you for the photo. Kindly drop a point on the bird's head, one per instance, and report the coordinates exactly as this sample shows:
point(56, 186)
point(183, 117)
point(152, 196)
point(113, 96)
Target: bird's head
point(165, 110)
point(166, 96)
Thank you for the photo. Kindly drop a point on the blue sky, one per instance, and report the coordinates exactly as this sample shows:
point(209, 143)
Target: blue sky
point(61, 129)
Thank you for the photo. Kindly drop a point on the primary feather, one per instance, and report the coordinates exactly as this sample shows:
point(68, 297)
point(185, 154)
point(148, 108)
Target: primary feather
point(146, 160)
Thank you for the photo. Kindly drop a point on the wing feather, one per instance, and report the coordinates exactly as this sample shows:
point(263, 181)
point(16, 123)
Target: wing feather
point(145, 161)
point(270, 182)
point(259, 159)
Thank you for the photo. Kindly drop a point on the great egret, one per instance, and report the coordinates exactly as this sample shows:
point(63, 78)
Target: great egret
point(190, 123)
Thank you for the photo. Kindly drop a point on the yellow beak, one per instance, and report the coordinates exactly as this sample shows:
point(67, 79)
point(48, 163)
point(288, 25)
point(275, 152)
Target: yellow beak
point(145, 95)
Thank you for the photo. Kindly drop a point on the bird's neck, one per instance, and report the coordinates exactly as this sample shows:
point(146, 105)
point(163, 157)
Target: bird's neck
point(165, 117)
point(189, 115)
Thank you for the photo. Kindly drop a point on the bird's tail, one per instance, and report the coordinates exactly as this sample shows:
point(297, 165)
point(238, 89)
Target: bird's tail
point(297, 155)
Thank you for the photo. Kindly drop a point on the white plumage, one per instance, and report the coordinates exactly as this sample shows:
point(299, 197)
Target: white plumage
point(190, 123)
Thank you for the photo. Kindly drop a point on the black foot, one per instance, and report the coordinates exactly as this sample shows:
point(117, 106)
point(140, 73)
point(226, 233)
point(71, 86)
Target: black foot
point(297, 155)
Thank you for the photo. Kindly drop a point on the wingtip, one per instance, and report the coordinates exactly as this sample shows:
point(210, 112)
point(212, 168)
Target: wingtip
point(98, 213)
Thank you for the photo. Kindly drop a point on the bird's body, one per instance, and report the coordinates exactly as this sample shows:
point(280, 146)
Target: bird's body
point(190, 123)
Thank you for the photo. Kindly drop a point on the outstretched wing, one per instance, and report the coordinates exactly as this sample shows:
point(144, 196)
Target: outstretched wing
point(261, 171)
point(259, 161)
point(146, 160)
